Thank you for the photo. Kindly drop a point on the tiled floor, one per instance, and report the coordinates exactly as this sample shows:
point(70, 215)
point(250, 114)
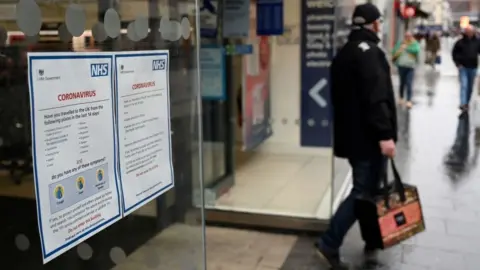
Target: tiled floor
point(179, 248)
point(240, 249)
point(292, 185)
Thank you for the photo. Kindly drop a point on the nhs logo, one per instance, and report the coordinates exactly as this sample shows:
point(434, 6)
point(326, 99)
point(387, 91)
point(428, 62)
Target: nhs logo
point(159, 64)
point(99, 70)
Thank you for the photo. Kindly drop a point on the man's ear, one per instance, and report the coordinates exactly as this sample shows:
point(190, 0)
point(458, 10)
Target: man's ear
point(376, 26)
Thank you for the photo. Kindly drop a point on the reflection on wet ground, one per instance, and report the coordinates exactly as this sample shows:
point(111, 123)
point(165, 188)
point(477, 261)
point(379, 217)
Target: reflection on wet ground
point(461, 159)
point(438, 152)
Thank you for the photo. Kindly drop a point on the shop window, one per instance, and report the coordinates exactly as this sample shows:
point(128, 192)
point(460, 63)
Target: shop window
point(137, 240)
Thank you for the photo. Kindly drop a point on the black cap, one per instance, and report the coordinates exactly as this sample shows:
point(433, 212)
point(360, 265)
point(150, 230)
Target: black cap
point(365, 14)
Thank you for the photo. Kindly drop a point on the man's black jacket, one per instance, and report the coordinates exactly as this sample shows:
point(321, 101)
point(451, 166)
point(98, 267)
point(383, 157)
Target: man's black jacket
point(362, 95)
point(465, 52)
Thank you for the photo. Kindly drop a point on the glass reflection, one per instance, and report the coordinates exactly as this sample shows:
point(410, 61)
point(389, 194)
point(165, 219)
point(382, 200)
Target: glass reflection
point(404, 126)
point(431, 78)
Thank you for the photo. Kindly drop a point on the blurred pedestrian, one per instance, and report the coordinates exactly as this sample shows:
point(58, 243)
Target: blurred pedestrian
point(365, 129)
point(465, 56)
point(432, 48)
point(406, 56)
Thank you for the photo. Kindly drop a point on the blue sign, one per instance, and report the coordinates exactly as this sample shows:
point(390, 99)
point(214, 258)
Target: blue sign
point(99, 70)
point(270, 17)
point(239, 49)
point(429, 28)
point(209, 18)
point(213, 75)
point(159, 64)
point(236, 18)
point(316, 49)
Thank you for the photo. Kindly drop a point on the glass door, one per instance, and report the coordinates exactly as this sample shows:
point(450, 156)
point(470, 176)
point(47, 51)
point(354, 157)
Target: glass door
point(290, 180)
point(117, 211)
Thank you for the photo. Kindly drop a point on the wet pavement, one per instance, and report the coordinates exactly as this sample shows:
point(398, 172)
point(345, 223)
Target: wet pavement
point(438, 152)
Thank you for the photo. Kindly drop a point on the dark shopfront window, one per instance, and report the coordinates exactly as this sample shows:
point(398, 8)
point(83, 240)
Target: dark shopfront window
point(167, 232)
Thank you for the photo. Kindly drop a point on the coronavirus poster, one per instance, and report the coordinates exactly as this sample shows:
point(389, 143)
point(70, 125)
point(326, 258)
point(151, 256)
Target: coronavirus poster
point(73, 147)
point(143, 98)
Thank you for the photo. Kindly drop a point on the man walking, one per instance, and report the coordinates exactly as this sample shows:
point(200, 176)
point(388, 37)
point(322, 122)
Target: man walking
point(465, 56)
point(365, 122)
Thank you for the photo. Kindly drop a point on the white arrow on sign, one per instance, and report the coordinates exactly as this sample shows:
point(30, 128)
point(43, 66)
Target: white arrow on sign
point(314, 92)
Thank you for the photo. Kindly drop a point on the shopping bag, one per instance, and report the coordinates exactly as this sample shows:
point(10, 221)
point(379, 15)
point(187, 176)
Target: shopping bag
point(391, 217)
point(438, 60)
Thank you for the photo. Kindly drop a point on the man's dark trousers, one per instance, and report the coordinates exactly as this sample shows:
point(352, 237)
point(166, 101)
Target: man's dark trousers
point(367, 174)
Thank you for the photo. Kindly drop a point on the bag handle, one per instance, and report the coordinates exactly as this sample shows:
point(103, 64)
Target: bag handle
point(386, 194)
point(397, 184)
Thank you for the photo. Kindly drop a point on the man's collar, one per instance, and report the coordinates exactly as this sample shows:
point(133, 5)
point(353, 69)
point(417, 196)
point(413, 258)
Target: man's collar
point(363, 34)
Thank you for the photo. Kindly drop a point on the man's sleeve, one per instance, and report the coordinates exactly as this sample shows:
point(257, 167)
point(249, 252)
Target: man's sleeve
point(375, 81)
point(456, 53)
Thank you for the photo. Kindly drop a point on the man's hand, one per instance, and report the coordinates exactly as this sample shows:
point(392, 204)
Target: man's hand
point(388, 148)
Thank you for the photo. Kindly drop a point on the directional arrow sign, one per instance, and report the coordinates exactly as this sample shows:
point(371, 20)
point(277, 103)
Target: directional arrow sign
point(314, 92)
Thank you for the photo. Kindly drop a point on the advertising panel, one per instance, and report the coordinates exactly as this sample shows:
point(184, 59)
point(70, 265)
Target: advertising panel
point(256, 91)
point(316, 49)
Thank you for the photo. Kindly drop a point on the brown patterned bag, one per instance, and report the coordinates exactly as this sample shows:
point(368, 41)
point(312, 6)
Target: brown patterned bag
point(392, 217)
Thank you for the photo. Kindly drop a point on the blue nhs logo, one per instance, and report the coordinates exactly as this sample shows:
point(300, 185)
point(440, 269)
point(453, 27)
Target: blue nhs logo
point(99, 70)
point(159, 64)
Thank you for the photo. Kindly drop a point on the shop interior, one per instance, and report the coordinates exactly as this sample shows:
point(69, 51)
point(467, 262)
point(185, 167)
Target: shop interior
point(276, 178)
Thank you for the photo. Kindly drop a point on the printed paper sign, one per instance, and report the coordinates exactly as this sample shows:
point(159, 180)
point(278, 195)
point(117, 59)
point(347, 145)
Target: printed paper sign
point(144, 141)
point(73, 148)
point(236, 18)
point(212, 68)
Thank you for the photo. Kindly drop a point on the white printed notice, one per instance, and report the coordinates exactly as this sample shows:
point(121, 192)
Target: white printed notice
point(144, 141)
point(71, 104)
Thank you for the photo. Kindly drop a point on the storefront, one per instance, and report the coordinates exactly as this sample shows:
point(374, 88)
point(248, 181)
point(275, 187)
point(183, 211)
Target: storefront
point(82, 228)
point(268, 161)
point(250, 125)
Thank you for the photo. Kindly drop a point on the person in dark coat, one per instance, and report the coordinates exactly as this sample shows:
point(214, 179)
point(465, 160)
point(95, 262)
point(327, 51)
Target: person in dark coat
point(365, 123)
point(465, 56)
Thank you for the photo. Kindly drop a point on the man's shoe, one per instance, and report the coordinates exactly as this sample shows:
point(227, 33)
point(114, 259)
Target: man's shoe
point(464, 108)
point(331, 259)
